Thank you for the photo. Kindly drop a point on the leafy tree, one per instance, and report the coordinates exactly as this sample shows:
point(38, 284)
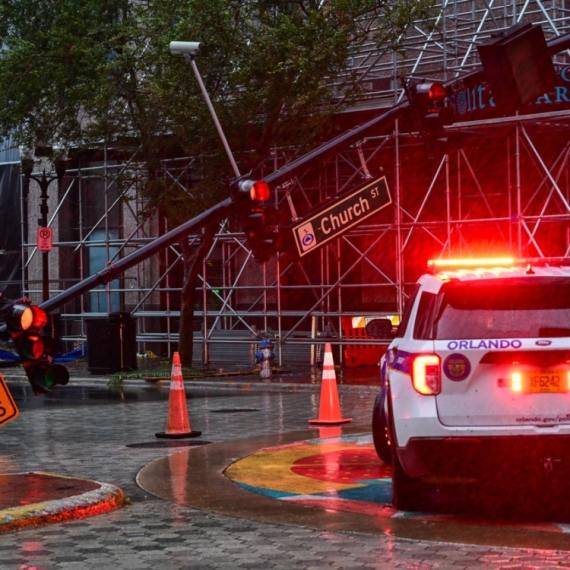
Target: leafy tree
point(77, 72)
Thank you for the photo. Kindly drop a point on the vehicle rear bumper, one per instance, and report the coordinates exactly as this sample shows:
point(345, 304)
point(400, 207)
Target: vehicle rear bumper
point(486, 457)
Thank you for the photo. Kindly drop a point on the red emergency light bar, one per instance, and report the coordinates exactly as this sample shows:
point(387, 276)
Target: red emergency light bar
point(438, 264)
point(488, 262)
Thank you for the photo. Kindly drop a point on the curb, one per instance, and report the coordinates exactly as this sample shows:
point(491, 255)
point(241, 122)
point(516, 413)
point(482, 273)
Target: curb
point(221, 384)
point(102, 500)
point(274, 387)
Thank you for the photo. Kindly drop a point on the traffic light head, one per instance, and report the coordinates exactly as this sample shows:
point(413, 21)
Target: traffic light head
point(429, 102)
point(21, 317)
point(259, 220)
point(24, 325)
point(432, 93)
point(246, 193)
point(258, 190)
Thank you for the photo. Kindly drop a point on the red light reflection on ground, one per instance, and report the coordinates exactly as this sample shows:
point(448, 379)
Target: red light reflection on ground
point(349, 477)
point(344, 466)
point(29, 488)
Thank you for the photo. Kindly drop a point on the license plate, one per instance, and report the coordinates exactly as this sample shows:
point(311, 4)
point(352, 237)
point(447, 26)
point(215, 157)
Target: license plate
point(546, 381)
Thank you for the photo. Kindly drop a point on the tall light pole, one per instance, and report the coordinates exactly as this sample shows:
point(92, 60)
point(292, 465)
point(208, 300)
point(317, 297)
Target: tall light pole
point(189, 50)
point(44, 182)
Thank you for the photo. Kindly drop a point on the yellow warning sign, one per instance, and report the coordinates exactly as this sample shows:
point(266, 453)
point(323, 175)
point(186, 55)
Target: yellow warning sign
point(8, 409)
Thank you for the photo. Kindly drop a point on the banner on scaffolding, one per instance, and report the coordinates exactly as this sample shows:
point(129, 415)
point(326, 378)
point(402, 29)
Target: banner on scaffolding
point(341, 216)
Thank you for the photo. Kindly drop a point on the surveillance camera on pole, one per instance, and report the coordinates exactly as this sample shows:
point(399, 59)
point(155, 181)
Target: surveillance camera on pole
point(189, 49)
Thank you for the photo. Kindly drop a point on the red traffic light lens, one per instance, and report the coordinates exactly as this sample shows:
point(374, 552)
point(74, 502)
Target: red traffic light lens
point(26, 318)
point(32, 347)
point(38, 348)
point(40, 317)
point(437, 92)
point(260, 191)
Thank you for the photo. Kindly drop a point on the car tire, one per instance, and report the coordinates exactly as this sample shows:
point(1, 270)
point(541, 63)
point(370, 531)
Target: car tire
point(380, 429)
point(408, 493)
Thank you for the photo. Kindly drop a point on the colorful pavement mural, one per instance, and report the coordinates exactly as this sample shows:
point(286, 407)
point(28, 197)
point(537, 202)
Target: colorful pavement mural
point(342, 474)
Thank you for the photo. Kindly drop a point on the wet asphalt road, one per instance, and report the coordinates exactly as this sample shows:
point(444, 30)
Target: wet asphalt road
point(88, 432)
point(64, 396)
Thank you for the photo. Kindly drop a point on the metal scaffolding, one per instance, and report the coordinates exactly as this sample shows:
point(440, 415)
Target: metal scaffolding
point(444, 47)
point(484, 186)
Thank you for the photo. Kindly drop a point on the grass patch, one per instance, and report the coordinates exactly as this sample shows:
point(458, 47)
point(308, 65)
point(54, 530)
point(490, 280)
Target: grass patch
point(164, 371)
point(161, 371)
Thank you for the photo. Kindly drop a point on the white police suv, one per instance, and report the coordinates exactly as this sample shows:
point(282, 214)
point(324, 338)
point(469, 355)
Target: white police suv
point(477, 378)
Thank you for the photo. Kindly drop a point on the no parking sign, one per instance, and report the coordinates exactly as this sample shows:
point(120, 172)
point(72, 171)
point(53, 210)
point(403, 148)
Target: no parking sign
point(45, 239)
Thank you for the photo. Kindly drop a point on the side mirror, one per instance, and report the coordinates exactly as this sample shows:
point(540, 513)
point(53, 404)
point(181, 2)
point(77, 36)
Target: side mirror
point(379, 328)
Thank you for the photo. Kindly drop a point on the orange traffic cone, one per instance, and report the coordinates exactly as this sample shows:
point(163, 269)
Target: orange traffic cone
point(329, 410)
point(177, 424)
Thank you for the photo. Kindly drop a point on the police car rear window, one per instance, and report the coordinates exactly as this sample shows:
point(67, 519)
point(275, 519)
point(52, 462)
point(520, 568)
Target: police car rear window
point(424, 319)
point(504, 308)
point(407, 312)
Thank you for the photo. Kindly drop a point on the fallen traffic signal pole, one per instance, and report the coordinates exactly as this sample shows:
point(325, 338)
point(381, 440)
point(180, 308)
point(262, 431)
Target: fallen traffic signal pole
point(113, 269)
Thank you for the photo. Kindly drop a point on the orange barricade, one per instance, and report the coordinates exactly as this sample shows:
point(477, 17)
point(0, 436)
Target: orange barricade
point(359, 354)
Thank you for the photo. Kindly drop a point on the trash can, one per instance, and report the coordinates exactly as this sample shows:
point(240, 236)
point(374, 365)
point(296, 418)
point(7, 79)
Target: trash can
point(111, 344)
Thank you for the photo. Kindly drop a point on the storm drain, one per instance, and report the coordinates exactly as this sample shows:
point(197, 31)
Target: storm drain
point(167, 443)
point(233, 410)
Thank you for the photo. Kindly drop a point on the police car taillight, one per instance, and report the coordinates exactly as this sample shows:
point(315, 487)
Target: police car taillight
point(426, 374)
point(516, 382)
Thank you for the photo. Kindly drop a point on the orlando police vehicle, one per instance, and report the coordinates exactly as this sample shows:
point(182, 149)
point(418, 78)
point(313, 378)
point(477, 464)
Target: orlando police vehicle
point(477, 376)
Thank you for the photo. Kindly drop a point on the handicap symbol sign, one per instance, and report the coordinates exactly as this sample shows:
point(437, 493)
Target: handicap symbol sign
point(306, 236)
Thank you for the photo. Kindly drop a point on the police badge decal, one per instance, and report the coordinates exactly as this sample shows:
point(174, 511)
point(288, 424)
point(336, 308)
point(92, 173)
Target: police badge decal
point(456, 367)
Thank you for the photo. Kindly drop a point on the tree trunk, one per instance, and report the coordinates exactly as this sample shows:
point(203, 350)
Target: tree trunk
point(192, 266)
